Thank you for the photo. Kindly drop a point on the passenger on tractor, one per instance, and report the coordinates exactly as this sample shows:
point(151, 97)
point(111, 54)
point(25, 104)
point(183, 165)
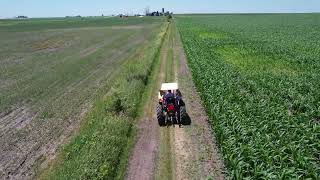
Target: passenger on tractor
point(170, 106)
point(161, 97)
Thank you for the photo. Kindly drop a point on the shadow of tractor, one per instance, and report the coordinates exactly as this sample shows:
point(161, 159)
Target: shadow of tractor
point(186, 121)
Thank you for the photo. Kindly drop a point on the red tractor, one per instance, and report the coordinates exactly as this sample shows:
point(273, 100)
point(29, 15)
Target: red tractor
point(171, 109)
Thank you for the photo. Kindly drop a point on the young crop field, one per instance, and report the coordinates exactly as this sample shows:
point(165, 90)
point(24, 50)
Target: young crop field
point(259, 78)
point(56, 72)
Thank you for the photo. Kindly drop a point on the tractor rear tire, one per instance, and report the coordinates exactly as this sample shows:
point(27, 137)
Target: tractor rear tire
point(160, 116)
point(183, 115)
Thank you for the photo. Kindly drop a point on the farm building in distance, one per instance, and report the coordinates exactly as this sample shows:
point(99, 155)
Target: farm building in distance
point(22, 17)
point(157, 13)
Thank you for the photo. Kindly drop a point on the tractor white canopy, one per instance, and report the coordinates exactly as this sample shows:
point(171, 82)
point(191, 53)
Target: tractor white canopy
point(165, 87)
point(169, 86)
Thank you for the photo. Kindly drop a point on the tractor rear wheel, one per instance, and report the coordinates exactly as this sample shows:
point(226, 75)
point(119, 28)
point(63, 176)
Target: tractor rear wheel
point(160, 116)
point(183, 115)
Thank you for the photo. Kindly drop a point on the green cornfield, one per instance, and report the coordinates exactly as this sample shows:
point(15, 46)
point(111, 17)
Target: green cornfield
point(259, 78)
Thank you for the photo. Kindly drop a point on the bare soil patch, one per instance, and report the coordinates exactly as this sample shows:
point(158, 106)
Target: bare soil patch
point(16, 118)
point(33, 142)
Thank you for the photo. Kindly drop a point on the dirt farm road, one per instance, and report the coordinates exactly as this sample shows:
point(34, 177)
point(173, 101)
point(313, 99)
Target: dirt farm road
point(174, 153)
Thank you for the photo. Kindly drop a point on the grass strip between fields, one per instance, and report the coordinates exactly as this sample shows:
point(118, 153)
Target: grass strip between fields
point(101, 149)
point(165, 157)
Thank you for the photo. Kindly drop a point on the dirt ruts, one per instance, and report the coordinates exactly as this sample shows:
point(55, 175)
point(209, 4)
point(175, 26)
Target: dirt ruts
point(142, 161)
point(191, 150)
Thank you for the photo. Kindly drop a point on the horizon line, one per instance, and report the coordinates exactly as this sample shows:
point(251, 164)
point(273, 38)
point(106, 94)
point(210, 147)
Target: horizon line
point(193, 13)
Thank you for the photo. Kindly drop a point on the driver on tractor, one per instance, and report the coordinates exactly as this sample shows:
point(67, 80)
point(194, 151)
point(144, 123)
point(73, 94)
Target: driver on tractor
point(169, 97)
point(170, 101)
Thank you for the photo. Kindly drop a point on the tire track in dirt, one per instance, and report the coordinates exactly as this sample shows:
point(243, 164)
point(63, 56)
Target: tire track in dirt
point(165, 158)
point(142, 159)
point(182, 149)
point(189, 152)
point(196, 153)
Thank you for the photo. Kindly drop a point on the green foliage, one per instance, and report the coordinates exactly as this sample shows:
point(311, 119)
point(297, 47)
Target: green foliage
point(169, 76)
point(259, 79)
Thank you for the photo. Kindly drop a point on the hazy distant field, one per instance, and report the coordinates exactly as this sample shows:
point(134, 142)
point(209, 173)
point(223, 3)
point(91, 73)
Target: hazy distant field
point(51, 70)
point(259, 77)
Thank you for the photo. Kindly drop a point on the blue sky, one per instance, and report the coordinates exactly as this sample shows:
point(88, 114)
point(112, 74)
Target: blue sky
point(56, 8)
